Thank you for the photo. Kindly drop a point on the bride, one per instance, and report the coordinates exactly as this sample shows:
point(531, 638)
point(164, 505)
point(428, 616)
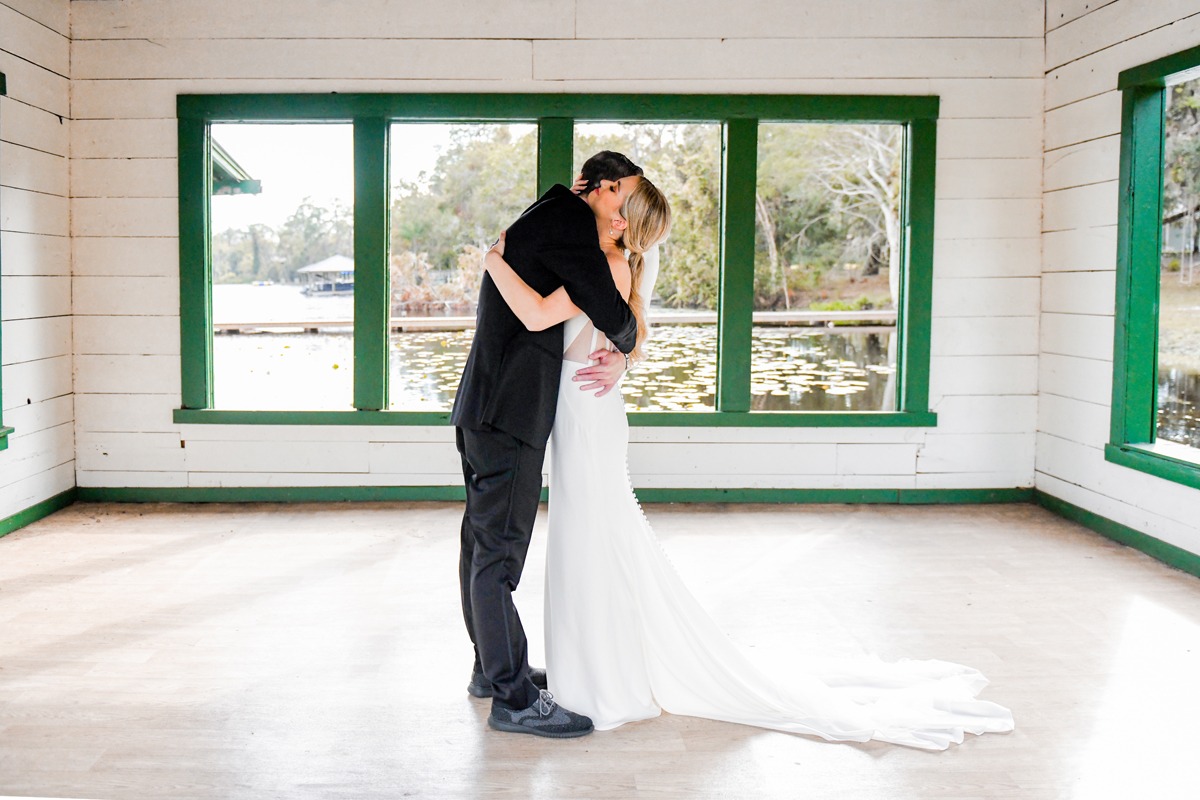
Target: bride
point(625, 639)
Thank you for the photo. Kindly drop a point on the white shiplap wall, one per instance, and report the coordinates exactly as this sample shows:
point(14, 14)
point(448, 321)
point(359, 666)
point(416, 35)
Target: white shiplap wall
point(130, 58)
point(36, 253)
point(1087, 45)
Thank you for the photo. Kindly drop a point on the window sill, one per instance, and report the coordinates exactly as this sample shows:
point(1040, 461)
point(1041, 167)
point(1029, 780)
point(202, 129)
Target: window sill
point(1167, 460)
point(4, 432)
point(693, 419)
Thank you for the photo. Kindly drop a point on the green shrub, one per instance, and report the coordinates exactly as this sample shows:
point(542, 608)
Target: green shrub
point(861, 303)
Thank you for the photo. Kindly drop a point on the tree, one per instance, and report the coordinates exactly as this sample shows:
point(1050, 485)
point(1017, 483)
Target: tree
point(312, 234)
point(443, 222)
point(683, 160)
point(860, 167)
point(1181, 159)
point(478, 186)
point(420, 224)
point(799, 236)
point(245, 255)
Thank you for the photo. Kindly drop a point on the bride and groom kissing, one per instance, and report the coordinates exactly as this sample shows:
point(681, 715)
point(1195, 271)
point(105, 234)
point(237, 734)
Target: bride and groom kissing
point(563, 303)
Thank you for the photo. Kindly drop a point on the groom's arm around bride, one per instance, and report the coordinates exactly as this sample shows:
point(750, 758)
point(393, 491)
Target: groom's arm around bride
point(511, 376)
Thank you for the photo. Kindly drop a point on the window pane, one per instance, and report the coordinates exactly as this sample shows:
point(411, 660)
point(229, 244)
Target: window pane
point(283, 266)
point(826, 267)
point(454, 188)
point(1179, 280)
point(684, 161)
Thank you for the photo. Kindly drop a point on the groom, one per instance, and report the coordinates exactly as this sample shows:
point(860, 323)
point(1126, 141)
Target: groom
point(503, 414)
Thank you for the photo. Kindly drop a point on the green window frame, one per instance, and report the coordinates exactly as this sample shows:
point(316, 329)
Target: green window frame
point(1139, 243)
point(4, 430)
point(555, 116)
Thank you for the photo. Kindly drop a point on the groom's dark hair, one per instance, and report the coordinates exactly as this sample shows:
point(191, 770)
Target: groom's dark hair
point(607, 165)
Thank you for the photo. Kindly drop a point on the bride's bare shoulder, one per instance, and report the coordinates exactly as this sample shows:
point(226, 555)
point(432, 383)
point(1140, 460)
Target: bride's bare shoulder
point(619, 267)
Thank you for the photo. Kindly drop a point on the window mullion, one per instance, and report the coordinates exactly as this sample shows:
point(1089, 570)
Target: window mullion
point(1135, 356)
point(4, 432)
point(916, 297)
point(372, 295)
point(195, 273)
point(556, 151)
point(735, 306)
point(1149, 137)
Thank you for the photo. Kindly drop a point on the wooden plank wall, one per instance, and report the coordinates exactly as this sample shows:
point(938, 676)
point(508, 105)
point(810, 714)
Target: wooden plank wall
point(1087, 45)
point(131, 58)
point(35, 239)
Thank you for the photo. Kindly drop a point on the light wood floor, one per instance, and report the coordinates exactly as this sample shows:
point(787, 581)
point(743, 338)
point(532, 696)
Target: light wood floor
point(313, 651)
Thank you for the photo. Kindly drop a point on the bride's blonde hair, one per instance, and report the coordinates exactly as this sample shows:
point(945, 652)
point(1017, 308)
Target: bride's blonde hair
point(648, 215)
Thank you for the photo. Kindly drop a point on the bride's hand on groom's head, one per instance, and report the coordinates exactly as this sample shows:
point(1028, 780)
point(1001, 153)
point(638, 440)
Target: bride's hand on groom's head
point(579, 185)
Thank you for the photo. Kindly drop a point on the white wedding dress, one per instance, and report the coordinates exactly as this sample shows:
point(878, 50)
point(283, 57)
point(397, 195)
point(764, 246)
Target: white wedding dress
point(625, 639)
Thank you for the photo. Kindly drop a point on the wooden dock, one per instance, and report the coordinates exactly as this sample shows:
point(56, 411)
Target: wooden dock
point(882, 317)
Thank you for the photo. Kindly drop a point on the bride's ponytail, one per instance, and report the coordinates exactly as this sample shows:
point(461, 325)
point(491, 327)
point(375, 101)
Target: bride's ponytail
point(638, 304)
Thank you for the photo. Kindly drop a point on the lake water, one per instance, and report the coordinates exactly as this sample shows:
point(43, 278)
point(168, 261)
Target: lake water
point(1179, 406)
point(792, 371)
point(792, 368)
point(246, 303)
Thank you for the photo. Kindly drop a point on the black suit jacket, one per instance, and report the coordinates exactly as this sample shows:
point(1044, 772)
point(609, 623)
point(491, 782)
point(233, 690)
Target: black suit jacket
point(511, 378)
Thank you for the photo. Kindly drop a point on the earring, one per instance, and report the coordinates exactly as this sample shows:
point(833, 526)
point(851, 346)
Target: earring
point(611, 232)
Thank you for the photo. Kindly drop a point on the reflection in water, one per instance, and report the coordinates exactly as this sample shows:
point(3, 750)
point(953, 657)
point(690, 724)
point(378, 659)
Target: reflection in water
point(284, 372)
point(796, 370)
point(426, 367)
point(679, 372)
point(1178, 414)
point(793, 369)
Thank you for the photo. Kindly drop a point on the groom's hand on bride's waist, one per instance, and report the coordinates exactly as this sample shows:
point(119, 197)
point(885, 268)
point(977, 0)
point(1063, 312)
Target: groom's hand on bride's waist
point(602, 375)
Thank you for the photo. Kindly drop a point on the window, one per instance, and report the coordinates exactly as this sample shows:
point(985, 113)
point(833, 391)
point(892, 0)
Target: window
point(679, 368)
point(282, 266)
point(4, 431)
point(826, 267)
point(1156, 359)
point(779, 301)
point(453, 189)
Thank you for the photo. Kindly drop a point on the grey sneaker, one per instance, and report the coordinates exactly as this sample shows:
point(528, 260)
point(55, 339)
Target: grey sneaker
point(482, 687)
point(544, 718)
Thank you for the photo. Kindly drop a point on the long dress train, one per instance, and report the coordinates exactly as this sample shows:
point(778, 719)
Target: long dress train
point(625, 638)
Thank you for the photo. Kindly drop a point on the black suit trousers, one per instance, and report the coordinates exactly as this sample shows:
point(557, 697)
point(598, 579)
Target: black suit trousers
point(503, 478)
